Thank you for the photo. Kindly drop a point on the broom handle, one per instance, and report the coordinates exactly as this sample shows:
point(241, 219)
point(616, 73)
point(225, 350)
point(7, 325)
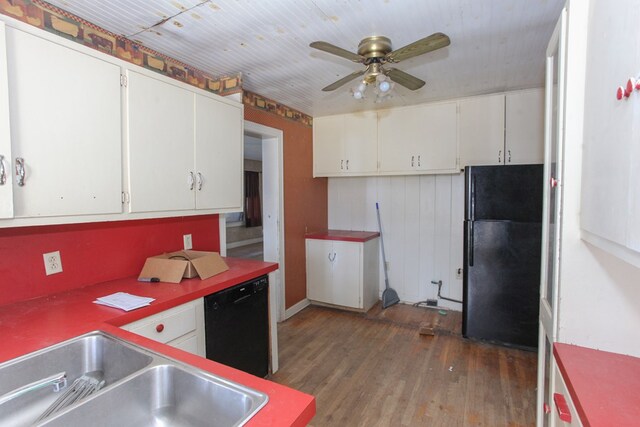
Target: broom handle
point(384, 258)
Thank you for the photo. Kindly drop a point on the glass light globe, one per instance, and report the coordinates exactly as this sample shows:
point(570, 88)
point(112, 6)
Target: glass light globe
point(384, 86)
point(357, 94)
point(362, 87)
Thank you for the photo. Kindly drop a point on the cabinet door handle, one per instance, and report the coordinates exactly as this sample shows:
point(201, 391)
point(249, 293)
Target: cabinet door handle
point(200, 180)
point(3, 171)
point(562, 407)
point(190, 180)
point(499, 156)
point(418, 161)
point(341, 164)
point(412, 157)
point(347, 163)
point(159, 328)
point(509, 153)
point(332, 258)
point(20, 171)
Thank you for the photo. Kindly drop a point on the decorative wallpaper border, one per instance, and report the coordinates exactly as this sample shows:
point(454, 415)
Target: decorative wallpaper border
point(261, 103)
point(47, 17)
point(50, 18)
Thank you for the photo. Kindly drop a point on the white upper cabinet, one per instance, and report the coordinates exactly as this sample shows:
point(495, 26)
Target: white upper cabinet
point(160, 134)
point(416, 140)
point(345, 144)
point(6, 161)
point(524, 127)
point(481, 124)
point(66, 131)
point(502, 129)
point(219, 154)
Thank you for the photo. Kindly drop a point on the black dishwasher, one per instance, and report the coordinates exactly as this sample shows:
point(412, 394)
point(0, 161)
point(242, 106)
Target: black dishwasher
point(237, 326)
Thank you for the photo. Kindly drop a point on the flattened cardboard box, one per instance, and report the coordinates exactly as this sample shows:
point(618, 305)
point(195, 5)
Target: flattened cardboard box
point(173, 266)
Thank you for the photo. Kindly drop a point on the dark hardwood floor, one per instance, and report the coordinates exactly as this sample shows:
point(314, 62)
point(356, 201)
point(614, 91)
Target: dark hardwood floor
point(375, 369)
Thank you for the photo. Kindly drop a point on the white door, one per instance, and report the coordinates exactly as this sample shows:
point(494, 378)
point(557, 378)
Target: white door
point(6, 175)
point(551, 220)
point(328, 152)
point(66, 128)
point(347, 274)
point(399, 139)
point(161, 145)
point(360, 143)
point(320, 256)
point(218, 154)
point(438, 147)
point(524, 127)
point(481, 127)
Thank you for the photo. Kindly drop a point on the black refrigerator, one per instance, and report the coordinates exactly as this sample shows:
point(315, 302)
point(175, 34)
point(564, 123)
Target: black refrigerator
point(502, 249)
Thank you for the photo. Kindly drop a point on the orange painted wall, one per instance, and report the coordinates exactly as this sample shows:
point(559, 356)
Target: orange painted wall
point(305, 198)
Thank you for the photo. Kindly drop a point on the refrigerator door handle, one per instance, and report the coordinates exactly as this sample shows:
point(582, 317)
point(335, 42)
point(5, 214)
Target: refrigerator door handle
point(470, 243)
point(472, 211)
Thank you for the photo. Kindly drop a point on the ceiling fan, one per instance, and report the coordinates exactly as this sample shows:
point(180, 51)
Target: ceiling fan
point(374, 52)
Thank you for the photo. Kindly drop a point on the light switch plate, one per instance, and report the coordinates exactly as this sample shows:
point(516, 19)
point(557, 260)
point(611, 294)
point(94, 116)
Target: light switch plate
point(188, 244)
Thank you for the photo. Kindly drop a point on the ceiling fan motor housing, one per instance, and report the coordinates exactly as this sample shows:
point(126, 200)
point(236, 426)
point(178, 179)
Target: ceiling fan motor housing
point(374, 48)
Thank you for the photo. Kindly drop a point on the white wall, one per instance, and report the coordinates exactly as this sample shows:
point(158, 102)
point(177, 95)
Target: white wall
point(599, 294)
point(422, 222)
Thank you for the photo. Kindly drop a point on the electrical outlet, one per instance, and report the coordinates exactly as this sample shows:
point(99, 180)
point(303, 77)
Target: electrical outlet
point(52, 263)
point(188, 244)
point(387, 265)
point(459, 273)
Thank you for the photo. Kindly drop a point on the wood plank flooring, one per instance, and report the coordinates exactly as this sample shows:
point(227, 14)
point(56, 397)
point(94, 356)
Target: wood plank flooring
point(375, 369)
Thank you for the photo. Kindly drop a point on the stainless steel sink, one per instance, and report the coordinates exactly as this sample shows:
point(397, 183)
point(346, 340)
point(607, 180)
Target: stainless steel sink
point(95, 352)
point(141, 388)
point(166, 395)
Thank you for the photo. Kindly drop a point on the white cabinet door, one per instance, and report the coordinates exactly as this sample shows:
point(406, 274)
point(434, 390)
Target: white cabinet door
point(360, 143)
point(319, 275)
point(524, 127)
point(328, 154)
point(563, 410)
point(346, 270)
point(218, 154)
point(438, 145)
point(161, 148)
point(6, 180)
point(481, 127)
point(418, 139)
point(399, 134)
point(66, 126)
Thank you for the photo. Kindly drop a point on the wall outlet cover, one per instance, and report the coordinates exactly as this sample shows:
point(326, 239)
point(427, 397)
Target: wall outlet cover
point(432, 302)
point(52, 263)
point(188, 243)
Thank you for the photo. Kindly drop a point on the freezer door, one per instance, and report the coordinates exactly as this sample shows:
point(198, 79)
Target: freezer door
point(504, 193)
point(501, 282)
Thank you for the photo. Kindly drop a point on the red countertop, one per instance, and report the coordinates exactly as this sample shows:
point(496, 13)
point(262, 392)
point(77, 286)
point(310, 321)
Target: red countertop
point(34, 324)
point(344, 235)
point(603, 386)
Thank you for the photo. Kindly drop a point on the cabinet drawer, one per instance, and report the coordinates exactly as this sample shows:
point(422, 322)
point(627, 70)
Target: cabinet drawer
point(189, 344)
point(168, 325)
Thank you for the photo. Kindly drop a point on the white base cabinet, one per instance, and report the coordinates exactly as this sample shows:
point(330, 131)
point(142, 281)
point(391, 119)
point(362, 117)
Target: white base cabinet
point(343, 273)
point(181, 327)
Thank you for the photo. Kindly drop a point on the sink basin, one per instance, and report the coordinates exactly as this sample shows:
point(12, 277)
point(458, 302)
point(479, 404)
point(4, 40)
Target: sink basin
point(93, 352)
point(167, 395)
point(141, 388)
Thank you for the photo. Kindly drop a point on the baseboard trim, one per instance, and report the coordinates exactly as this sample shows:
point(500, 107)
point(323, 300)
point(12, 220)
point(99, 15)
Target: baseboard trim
point(244, 243)
point(296, 308)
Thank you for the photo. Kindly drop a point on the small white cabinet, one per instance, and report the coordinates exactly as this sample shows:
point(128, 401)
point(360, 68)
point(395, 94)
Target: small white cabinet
point(563, 411)
point(345, 144)
point(6, 175)
point(65, 127)
point(342, 273)
point(181, 327)
point(502, 129)
point(418, 139)
point(185, 149)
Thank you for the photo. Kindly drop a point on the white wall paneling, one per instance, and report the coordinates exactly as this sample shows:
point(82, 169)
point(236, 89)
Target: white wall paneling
point(422, 225)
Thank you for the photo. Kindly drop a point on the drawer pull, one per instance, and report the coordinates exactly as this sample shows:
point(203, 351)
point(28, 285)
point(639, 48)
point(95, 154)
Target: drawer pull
point(562, 407)
point(160, 328)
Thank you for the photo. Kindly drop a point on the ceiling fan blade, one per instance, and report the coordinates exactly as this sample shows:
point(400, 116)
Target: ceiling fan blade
point(404, 79)
point(342, 81)
point(335, 50)
point(433, 42)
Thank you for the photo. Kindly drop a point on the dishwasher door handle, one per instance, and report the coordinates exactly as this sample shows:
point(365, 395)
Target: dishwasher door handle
point(242, 299)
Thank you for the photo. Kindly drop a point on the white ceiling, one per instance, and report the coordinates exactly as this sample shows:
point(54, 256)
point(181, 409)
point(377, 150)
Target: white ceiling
point(496, 45)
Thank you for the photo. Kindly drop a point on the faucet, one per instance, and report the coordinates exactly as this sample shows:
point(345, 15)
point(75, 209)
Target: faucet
point(58, 381)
